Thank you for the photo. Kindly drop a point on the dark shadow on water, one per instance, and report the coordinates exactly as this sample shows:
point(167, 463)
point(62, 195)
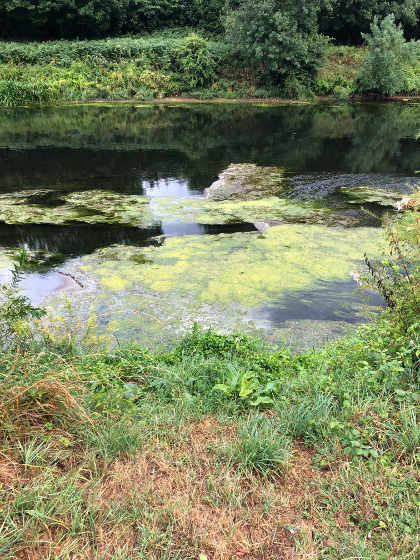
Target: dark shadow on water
point(73, 240)
point(180, 229)
point(83, 239)
point(325, 301)
point(127, 149)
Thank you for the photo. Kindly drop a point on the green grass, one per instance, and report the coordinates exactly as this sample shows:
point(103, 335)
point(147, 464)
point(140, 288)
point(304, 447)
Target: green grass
point(263, 446)
point(84, 437)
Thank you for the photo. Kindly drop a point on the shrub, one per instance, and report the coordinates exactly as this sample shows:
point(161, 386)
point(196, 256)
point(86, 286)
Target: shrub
point(16, 311)
point(388, 56)
point(157, 82)
point(196, 61)
point(279, 38)
point(13, 92)
point(397, 275)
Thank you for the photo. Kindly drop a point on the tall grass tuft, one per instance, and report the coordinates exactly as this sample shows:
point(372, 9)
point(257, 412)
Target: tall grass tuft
point(263, 447)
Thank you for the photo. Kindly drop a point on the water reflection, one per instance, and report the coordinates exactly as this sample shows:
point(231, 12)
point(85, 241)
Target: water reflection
point(180, 229)
point(84, 239)
point(178, 149)
point(74, 240)
point(176, 187)
point(325, 301)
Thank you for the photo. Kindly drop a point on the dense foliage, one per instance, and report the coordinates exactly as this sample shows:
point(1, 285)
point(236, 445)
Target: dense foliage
point(162, 65)
point(270, 48)
point(280, 38)
point(46, 19)
point(388, 58)
point(344, 20)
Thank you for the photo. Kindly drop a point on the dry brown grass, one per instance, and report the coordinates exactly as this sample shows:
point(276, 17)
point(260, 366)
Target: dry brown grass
point(180, 496)
point(208, 507)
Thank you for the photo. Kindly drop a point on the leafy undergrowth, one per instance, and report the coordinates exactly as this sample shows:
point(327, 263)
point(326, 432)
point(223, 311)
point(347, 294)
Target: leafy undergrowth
point(339, 72)
point(166, 63)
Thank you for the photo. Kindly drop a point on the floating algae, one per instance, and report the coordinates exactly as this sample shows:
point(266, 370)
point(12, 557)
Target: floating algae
point(271, 210)
point(297, 160)
point(159, 292)
point(90, 207)
point(371, 195)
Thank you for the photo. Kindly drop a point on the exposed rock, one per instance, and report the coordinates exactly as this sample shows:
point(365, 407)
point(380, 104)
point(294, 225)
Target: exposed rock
point(261, 226)
point(247, 181)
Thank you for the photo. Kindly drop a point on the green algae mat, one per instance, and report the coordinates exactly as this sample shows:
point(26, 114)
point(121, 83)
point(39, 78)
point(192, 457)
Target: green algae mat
point(225, 281)
point(139, 221)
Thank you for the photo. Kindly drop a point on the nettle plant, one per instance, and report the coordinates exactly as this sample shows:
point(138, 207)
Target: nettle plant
point(397, 275)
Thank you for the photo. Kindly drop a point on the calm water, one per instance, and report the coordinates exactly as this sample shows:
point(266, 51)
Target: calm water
point(175, 152)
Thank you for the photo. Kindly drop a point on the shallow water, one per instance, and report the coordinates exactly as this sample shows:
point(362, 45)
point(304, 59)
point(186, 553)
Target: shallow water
point(159, 256)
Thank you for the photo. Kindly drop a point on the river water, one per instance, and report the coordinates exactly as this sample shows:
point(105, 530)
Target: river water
point(111, 204)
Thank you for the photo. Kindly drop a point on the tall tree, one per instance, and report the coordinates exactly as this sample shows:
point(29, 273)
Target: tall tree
point(346, 20)
point(280, 36)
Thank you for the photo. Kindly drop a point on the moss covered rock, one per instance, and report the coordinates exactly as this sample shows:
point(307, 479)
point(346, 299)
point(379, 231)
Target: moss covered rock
point(247, 181)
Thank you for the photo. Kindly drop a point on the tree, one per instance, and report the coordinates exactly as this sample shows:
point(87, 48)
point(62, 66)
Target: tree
point(279, 36)
point(46, 19)
point(346, 20)
point(388, 56)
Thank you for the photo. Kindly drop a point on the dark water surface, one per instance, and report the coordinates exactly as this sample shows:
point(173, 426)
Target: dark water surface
point(177, 152)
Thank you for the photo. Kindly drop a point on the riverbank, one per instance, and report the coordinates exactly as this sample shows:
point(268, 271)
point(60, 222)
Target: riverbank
point(137, 455)
point(162, 66)
point(260, 101)
point(219, 447)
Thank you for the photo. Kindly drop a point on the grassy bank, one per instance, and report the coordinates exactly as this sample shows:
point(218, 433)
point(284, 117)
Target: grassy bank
point(171, 63)
point(221, 447)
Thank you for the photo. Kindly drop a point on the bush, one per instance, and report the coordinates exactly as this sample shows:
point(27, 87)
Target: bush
point(279, 38)
point(397, 275)
point(19, 93)
point(389, 54)
point(16, 311)
point(196, 61)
